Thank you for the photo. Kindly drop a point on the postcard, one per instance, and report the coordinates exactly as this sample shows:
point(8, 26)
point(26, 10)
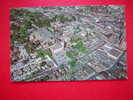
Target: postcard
point(68, 43)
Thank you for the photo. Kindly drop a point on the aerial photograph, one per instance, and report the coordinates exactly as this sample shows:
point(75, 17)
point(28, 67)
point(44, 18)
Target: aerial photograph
point(68, 43)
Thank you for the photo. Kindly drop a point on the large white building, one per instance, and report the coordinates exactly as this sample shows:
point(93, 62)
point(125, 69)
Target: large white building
point(58, 53)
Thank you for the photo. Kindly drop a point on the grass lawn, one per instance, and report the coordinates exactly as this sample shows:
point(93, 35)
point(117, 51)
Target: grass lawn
point(41, 53)
point(79, 46)
point(72, 63)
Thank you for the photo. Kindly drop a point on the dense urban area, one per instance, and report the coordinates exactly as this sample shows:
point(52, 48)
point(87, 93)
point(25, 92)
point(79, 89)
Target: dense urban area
point(68, 43)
